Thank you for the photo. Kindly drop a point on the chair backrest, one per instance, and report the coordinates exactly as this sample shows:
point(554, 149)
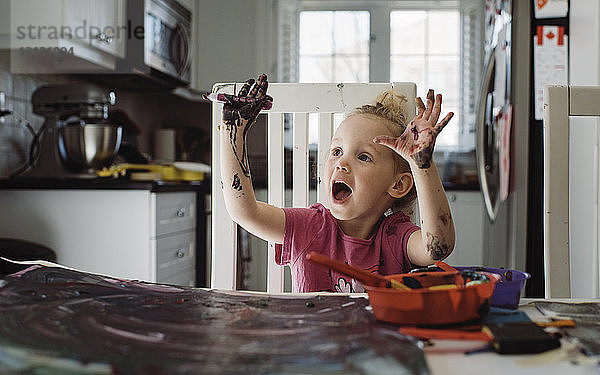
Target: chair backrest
point(560, 103)
point(299, 100)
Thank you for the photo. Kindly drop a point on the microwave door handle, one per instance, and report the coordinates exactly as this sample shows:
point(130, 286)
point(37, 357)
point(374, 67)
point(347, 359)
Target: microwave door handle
point(175, 45)
point(180, 50)
point(187, 50)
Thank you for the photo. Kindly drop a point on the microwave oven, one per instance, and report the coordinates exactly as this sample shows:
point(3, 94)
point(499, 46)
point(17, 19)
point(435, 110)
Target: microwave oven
point(164, 50)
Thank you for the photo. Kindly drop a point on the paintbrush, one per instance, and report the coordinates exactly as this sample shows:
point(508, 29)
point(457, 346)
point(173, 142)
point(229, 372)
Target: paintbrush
point(506, 338)
point(365, 277)
point(238, 100)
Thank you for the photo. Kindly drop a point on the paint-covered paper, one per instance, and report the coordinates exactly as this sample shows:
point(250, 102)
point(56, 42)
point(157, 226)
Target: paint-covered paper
point(61, 321)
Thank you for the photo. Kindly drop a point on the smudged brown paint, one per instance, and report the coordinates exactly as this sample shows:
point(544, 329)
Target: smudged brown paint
point(236, 184)
point(436, 248)
point(423, 157)
point(445, 218)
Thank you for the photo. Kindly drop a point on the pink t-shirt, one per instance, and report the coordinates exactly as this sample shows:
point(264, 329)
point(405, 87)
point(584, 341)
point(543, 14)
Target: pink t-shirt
point(315, 229)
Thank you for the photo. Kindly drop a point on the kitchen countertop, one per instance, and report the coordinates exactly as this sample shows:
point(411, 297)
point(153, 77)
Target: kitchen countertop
point(154, 186)
point(103, 183)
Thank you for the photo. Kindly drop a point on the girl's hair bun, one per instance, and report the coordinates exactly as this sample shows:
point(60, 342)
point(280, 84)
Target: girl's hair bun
point(390, 106)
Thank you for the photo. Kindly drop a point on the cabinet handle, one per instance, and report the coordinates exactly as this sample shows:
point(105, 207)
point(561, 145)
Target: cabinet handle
point(180, 212)
point(102, 37)
point(451, 197)
point(180, 253)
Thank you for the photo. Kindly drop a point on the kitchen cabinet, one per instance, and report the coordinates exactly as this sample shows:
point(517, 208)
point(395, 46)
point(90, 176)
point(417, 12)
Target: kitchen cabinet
point(104, 20)
point(468, 215)
point(108, 16)
point(133, 234)
point(53, 31)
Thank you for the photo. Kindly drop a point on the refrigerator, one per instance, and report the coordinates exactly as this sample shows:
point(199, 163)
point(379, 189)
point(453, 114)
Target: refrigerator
point(512, 229)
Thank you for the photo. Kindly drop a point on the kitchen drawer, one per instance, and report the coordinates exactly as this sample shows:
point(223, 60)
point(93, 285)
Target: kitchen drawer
point(175, 254)
point(184, 278)
point(175, 212)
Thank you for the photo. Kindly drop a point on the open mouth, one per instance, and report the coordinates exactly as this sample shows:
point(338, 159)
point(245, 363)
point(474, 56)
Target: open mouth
point(340, 191)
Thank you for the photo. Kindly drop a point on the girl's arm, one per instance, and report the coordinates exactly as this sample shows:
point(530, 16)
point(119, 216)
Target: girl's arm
point(435, 240)
point(259, 218)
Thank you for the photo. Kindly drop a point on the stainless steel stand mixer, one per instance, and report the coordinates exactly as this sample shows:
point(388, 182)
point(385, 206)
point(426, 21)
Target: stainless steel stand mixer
point(76, 138)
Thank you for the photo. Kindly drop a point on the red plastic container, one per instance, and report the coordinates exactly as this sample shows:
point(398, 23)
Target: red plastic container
point(425, 306)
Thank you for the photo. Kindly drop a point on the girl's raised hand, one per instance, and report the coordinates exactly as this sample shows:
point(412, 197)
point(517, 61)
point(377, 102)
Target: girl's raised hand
point(419, 137)
point(242, 110)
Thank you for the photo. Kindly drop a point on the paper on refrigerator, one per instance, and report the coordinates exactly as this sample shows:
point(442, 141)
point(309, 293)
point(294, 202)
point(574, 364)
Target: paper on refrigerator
point(551, 8)
point(550, 59)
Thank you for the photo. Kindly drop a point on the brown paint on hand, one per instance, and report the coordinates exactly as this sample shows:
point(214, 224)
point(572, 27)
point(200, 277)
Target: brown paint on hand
point(415, 132)
point(430, 95)
point(241, 114)
point(423, 157)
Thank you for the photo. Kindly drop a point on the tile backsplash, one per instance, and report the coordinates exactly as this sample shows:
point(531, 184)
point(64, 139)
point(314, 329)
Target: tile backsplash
point(149, 111)
point(15, 138)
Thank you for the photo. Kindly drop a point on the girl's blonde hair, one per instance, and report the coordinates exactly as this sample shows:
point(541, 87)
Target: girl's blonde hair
point(390, 107)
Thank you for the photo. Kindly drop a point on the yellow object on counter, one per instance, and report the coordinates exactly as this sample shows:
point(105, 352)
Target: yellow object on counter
point(149, 172)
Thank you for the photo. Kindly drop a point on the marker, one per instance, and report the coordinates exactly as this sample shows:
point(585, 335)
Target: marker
point(233, 99)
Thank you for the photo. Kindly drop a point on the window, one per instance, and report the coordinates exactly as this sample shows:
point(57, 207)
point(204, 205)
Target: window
point(436, 44)
point(334, 47)
point(425, 49)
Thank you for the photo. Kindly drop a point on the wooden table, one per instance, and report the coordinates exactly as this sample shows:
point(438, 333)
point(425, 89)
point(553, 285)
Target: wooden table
point(80, 318)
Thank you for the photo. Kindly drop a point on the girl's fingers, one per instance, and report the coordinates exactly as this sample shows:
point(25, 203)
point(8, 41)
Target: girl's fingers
point(262, 89)
point(429, 108)
point(386, 140)
point(437, 109)
point(420, 106)
point(246, 88)
point(438, 128)
point(258, 84)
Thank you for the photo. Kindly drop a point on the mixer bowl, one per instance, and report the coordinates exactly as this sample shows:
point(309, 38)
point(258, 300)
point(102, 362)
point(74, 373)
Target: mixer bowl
point(89, 146)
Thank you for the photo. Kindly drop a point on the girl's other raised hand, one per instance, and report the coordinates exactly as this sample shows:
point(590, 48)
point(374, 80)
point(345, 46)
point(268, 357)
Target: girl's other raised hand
point(418, 139)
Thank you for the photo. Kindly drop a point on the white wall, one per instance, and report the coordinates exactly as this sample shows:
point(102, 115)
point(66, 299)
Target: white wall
point(235, 40)
point(584, 70)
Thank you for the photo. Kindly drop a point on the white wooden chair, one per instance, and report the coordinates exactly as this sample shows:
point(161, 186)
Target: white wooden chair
point(298, 99)
point(560, 103)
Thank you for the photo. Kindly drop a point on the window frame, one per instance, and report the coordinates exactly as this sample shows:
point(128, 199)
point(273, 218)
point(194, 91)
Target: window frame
point(379, 45)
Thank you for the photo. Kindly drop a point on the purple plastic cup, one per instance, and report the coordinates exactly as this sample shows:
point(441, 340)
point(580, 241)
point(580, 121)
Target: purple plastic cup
point(507, 293)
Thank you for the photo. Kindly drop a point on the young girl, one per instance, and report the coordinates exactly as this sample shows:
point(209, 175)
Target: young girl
point(375, 162)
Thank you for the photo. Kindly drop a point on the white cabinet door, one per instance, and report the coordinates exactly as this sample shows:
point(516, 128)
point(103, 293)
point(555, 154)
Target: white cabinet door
point(76, 19)
point(468, 215)
point(108, 17)
point(98, 231)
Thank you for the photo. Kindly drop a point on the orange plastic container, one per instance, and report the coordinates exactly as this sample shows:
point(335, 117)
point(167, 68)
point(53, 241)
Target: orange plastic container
point(424, 306)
